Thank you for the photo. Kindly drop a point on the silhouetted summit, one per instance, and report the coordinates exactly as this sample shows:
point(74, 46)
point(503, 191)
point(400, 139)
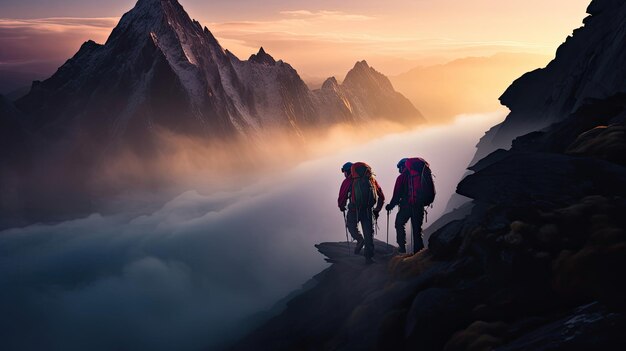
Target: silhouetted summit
point(262, 57)
point(364, 77)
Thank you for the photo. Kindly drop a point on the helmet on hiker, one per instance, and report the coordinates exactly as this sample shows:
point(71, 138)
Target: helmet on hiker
point(346, 167)
point(401, 165)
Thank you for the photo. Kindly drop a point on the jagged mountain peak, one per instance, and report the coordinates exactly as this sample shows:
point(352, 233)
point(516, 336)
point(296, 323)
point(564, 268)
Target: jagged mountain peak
point(157, 5)
point(364, 76)
point(330, 84)
point(153, 16)
point(262, 57)
point(88, 46)
point(361, 65)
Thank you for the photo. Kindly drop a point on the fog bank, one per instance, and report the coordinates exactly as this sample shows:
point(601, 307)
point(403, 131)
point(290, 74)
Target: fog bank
point(189, 275)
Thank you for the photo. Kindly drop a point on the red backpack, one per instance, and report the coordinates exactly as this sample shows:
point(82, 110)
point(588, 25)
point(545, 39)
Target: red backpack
point(363, 192)
point(421, 186)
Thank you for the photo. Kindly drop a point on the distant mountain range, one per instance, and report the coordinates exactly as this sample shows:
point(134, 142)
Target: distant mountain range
point(161, 69)
point(160, 72)
point(466, 85)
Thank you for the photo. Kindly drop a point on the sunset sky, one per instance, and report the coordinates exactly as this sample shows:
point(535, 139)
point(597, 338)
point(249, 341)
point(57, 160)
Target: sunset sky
point(319, 38)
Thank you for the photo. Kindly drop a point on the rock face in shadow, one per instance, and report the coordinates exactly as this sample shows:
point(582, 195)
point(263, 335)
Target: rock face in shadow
point(543, 178)
point(538, 259)
point(588, 66)
point(324, 316)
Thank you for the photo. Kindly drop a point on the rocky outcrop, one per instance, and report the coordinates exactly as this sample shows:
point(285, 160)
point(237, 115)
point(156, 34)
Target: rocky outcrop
point(324, 316)
point(603, 142)
point(588, 66)
point(543, 178)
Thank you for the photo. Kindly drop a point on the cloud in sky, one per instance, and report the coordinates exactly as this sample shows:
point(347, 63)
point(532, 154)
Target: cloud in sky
point(326, 15)
point(327, 39)
point(48, 39)
point(326, 43)
point(61, 24)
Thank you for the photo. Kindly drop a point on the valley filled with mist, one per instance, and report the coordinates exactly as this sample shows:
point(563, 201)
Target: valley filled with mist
point(196, 271)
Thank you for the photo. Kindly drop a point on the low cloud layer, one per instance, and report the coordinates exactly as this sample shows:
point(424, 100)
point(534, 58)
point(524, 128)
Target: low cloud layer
point(190, 275)
point(34, 40)
point(33, 49)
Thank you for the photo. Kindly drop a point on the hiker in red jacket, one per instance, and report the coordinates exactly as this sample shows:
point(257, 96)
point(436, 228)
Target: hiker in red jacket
point(411, 193)
point(360, 187)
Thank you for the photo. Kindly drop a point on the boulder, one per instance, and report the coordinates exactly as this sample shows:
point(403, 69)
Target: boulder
point(588, 327)
point(530, 179)
point(604, 142)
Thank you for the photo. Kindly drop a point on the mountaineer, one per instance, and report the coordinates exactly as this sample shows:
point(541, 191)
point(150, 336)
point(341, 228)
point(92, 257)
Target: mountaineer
point(360, 187)
point(414, 189)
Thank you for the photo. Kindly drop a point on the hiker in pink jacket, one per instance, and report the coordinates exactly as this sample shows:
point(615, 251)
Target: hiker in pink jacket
point(414, 189)
point(366, 201)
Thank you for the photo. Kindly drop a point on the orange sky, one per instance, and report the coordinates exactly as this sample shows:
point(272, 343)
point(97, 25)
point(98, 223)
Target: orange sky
point(320, 39)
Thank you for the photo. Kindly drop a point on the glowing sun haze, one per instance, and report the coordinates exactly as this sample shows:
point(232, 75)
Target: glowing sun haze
point(319, 38)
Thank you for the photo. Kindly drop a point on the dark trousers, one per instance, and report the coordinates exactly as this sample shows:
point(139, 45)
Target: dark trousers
point(416, 215)
point(365, 217)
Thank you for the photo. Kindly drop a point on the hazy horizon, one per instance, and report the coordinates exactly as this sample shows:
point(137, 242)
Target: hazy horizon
point(393, 38)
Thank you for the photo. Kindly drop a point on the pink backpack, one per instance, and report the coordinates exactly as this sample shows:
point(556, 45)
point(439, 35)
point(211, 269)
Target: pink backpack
point(421, 186)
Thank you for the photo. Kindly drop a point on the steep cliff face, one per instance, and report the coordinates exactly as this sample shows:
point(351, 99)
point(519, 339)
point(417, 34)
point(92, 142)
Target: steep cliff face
point(545, 213)
point(274, 95)
point(588, 66)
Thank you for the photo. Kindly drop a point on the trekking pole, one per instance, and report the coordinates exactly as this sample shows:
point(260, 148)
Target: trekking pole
point(375, 225)
point(388, 227)
point(411, 220)
point(345, 222)
point(411, 242)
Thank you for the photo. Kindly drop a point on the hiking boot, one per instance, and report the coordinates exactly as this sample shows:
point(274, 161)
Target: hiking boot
point(359, 246)
point(402, 249)
point(369, 260)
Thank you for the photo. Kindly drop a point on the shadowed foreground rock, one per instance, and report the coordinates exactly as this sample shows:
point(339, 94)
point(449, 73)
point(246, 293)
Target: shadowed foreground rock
point(320, 317)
